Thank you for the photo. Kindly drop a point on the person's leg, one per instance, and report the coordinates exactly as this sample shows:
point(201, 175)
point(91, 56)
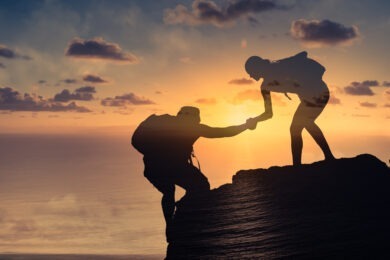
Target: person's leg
point(192, 180)
point(308, 113)
point(167, 188)
point(296, 134)
point(168, 204)
point(319, 138)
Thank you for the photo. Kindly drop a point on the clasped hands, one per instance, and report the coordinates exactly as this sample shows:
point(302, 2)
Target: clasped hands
point(251, 123)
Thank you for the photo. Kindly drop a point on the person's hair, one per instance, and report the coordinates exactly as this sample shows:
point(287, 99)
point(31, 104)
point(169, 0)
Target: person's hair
point(189, 111)
point(255, 63)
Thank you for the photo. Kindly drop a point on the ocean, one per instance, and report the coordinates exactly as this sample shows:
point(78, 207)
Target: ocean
point(83, 194)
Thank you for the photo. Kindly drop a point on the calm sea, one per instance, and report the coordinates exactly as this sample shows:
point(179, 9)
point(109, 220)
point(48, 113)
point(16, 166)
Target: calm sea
point(86, 194)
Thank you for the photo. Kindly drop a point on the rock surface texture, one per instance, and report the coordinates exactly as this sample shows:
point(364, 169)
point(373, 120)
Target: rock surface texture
point(338, 209)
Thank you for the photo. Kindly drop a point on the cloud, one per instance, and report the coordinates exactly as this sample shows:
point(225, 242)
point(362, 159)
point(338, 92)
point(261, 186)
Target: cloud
point(24, 226)
point(255, 95)
point(386, 83)
point(368, 104)
point(334, 100)
point(83, 93)
point(249, 94)
point(206, 101)
point(186, 60)
point(2, 66)
point(361, 88)
point(93, 79)
point(242, 81)
point(42, 81)
point(8, 53)
point(12, 100)
point(69, 81)
point(316, 33)
point(387, 105)
point(208, 12)
point(126, 99)
point(99, 49)
point(360, 115)
point(68, 205)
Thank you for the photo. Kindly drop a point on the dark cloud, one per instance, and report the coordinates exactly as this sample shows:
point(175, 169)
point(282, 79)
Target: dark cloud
point(126, 99)
point(368, 104)
point(69, 81)
point(93, 79)
point(325, 32)
point(206, 101)
point(2, 66)
point(386, 83)
point(8, 53)
point(41, 82)
point(99, 49)
point(361, 88)
point(83, 93)
point(208, 12)
point(242, 81)
point(12, 100)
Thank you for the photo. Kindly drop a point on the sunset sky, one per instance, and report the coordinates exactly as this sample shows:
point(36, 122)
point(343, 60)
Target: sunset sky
point(100, 67)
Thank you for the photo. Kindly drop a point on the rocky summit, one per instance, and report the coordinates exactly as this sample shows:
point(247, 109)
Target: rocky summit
point(328, 209)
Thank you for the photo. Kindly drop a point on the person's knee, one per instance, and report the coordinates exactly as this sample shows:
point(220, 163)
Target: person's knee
point(201, 185)
point(296, 129)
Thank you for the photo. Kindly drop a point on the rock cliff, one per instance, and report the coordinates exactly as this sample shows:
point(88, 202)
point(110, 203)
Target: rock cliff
point(324, 210)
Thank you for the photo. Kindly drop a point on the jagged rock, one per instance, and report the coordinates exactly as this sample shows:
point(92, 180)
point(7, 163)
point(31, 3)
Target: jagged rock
point(324, 210)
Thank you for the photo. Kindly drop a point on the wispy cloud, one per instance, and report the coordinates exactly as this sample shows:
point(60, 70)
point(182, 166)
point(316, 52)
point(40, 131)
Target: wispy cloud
point(241, 81)
point(206, 101)
point(12, 100)
point(208, 12)
point(99, 49)
point(126, 99)
point(93, 79)
point(368, 104)
point(9, 53)
point(315, 33)
point(334, 100)
point(386, 83)
point(249, 94)
point(2, 66)
point(69, 81)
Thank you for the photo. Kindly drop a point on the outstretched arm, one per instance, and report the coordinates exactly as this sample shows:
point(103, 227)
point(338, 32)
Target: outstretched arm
point(218, 132)
point(267, 106)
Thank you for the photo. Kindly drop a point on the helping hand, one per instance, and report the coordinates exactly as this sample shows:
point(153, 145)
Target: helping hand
point(251, 123)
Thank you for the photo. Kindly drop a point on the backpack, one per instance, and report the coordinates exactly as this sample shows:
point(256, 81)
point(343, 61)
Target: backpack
point(155, 133)
point(302, 67)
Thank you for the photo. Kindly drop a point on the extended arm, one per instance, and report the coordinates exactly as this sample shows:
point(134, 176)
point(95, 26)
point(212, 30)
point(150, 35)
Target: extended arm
point(218, 132)
point(267, 106)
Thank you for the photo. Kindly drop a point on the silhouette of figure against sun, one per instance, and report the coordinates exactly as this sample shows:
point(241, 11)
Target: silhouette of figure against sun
point(302, 76)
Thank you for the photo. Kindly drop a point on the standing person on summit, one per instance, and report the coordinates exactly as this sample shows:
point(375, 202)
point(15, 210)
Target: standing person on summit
point(302, 76)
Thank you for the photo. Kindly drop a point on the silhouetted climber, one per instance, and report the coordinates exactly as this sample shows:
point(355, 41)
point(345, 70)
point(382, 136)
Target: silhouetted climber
point(302, 76)
point(167, 144)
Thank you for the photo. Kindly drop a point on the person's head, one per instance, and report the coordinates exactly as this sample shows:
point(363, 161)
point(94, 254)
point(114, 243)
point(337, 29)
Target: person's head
point(256, 66)
point(189, 113)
